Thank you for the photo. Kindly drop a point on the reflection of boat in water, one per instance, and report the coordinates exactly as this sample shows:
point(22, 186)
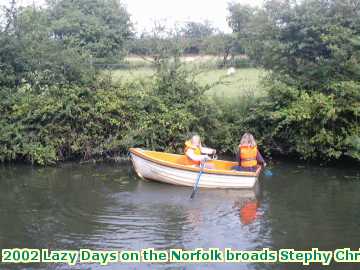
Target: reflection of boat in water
point(172, 207)
point(175, 169)
point(160, 193)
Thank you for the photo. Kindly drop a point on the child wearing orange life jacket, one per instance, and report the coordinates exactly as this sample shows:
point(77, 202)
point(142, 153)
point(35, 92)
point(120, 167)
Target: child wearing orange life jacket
point(197, 154)
point(249, 155)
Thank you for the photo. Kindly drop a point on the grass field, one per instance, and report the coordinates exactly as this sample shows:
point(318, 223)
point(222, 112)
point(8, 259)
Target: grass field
point(131, 74)
point(244, 82)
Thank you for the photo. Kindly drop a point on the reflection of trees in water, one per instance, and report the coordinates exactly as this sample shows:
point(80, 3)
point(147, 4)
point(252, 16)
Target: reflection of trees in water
point(170, 227)
point(178, 218)
point(55, 207)
point(166, 207)
point(194, 217)
point(313, 207)
point(83, 206)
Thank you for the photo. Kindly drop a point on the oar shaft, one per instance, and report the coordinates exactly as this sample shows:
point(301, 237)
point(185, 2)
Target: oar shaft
point(202, 165)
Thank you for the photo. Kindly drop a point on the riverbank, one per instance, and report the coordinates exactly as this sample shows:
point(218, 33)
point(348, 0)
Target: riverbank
point(56, 123)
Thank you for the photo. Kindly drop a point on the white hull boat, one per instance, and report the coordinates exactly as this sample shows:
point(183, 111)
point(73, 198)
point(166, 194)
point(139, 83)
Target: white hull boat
point(175, 169)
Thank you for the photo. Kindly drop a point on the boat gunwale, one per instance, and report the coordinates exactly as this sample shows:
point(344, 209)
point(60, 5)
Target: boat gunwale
point(140, 153)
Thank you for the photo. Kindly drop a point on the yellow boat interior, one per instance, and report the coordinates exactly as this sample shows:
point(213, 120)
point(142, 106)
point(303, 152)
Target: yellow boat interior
point(182, 162)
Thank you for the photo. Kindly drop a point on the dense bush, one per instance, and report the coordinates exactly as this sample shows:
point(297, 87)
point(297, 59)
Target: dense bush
point(62, 123)
point(312, 49)
point(232, 117)
point(53, 105)
point(310, 125)
point(175, 107)
point(81, 122)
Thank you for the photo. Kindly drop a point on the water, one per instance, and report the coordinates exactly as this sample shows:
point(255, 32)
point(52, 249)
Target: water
point(105, 207)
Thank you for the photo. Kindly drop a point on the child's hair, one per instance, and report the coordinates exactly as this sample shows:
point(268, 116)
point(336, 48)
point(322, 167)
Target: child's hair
point(195, 136)
point(248, 140)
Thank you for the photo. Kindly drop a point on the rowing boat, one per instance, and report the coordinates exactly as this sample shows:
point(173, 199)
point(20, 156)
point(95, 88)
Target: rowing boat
point(175, 169)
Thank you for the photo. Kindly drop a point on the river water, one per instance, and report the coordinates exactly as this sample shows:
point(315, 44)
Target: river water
point(106, 207)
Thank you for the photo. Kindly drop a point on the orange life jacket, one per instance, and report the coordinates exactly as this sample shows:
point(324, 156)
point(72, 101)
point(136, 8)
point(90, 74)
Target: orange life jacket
point(248, 156)
point(196, 149)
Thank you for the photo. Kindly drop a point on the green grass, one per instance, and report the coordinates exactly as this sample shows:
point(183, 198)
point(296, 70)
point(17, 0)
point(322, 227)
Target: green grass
point(131, 74)
point(244, 82)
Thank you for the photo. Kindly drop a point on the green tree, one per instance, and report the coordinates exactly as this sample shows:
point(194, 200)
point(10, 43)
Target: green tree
point(197, 30)
point(193, 35)
point(240, 16)
point(224, 45)
point(313, 52)
point(315, 42)
point(29, 54)
point(100, 27)
point(158, 45)
point(252, 28)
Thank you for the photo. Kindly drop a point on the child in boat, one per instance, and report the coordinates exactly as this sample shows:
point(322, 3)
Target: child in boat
point(249, 155)
point(196, 153)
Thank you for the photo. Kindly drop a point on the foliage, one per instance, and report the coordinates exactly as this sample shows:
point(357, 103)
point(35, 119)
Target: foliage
point(197, 30)
point(193, 38)
point(160, 44)
point(81, 122)
point(175, 108)
point(101, 27)
point(29, 55)
point(54, 107)
point(62, 123)
point(252, 29)
point(312, 49)
point(223, 45)
point(311, 125)
point(240, 16)
point(193, 35)
point(314, 43)
point(233, 115)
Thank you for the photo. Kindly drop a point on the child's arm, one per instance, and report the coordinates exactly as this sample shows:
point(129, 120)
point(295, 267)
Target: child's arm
point(260, 158)
point(208, 151)
point(190, 154)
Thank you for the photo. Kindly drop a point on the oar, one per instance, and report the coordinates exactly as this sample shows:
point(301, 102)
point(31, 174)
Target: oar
point(268, 172)
point(202, 165)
